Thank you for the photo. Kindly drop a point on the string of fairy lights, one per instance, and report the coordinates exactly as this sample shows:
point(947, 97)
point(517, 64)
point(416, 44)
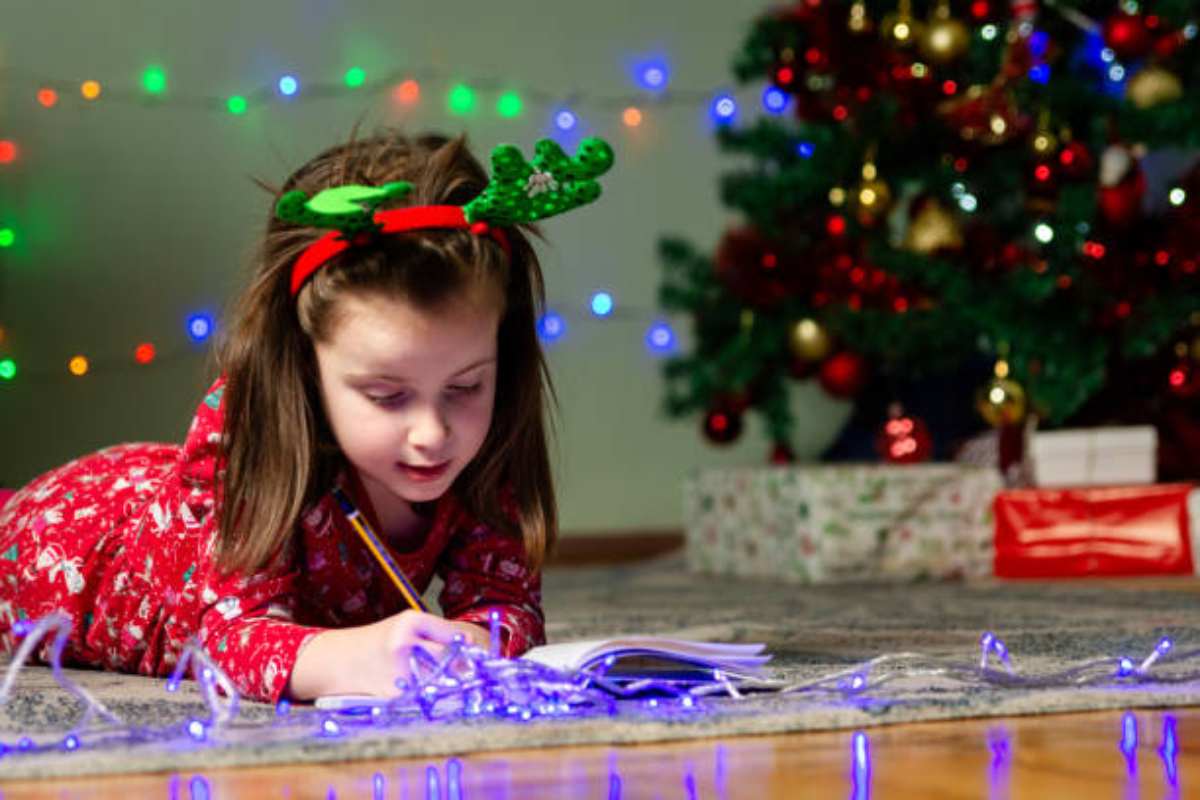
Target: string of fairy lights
point(651, 78)
point(469, 683)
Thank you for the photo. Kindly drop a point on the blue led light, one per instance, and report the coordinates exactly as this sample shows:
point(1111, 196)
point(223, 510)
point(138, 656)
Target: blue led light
point(1125, 666)
point(71, 742)
point(804, 149)
point(1038, 42)
point(602, 304)
point(329, 727)
point(199, 327)
point(723, 109)
point(196, 730)
point(1040, 73)
point(551, 327)
point(565, 120)
point(288, 85)
point(775, 100)
point(660, 338)
point(653, 75)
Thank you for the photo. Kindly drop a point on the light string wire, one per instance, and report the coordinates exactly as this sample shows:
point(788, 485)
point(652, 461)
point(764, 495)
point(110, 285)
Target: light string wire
point(466, 681)
point(265, 93)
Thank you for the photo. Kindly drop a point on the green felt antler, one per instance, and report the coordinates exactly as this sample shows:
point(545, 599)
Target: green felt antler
point(349, 208)
point(554, 182)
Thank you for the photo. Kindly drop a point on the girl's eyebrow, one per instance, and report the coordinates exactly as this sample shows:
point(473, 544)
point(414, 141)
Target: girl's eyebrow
point(401, 379)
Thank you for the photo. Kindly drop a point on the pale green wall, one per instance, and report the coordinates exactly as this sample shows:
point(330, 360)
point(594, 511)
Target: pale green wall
point(132, 216)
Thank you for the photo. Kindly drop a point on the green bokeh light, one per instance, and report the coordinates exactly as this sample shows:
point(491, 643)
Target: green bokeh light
point(509, 105)
point(154, 79)
point(355, 77)
point(7, 237)
point(461, 99)
point(237, 104)
point(8, 369)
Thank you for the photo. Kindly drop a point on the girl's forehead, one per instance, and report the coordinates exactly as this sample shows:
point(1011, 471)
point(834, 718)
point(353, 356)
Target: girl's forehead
point(376, 332)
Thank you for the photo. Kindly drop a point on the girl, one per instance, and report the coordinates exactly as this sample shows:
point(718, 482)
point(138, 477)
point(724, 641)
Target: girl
point(395, 358)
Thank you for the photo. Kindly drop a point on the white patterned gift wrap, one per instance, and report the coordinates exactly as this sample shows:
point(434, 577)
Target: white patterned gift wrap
point(824, 523)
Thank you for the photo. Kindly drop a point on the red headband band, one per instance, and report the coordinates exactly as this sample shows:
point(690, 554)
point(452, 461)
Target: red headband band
point(396, 220)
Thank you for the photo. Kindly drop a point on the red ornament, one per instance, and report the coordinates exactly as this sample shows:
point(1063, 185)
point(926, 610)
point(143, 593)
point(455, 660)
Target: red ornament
point(1121, 205)
point(1184, 380)
point(1168, 44)
point(904, 439)
point(782, 455)
point(1127, 35)
point(1075, 161)
point(1122, 186)
point(754, 270)
point(1043, 180)
point(844, 374)
point(722, 426)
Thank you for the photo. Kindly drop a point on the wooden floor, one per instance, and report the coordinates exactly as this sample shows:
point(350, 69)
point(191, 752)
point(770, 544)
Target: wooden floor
point(1142, 754)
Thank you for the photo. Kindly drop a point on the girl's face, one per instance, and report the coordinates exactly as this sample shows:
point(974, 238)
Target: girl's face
point(409, 393)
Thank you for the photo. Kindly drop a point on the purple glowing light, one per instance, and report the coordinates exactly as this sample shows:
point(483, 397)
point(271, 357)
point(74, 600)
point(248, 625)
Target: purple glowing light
point(1129, 741)
point(861, 766)
point(1170, 750)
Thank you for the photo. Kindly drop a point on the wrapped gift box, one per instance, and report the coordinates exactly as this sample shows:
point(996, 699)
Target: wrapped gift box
point(1094, 456)
point(1115, 530)
point(821, 523)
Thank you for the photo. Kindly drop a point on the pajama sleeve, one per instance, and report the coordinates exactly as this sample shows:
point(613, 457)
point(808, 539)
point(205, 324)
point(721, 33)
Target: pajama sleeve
point(485, 570)
point(243, 622)
point(246, 626)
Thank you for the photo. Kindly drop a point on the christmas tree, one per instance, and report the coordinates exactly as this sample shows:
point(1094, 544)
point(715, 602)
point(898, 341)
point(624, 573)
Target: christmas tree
point(934, 186)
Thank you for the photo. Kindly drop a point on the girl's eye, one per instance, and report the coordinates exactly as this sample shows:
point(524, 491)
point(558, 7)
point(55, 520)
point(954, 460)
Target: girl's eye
point(466, 390)
point(386, 400)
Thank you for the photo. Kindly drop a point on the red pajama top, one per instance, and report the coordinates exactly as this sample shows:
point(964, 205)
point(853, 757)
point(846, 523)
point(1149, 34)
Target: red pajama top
point(122, 540)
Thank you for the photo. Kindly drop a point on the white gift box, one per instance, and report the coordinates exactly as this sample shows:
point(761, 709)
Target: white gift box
point(849, 522)
point(1094, 456)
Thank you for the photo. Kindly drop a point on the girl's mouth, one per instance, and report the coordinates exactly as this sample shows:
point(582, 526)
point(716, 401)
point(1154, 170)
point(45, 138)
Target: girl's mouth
point(423, 473)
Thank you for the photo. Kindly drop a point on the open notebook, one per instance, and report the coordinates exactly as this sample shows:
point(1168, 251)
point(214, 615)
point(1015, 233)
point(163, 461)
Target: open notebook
point(633, 656)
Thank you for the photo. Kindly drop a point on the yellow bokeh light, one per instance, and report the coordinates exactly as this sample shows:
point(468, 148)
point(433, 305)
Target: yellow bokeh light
point(632, 117)
point(78, 365)
point(90, 90)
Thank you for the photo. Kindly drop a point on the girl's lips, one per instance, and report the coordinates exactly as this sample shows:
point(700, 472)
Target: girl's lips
point(423, 473)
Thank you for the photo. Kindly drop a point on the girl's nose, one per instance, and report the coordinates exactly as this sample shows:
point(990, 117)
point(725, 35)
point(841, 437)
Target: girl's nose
point(428, 429)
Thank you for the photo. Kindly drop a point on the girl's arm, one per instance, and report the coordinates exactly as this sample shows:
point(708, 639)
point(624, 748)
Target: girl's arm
point(369, 659)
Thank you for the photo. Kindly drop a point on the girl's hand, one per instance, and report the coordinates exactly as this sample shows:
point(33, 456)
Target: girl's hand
point(369, 660)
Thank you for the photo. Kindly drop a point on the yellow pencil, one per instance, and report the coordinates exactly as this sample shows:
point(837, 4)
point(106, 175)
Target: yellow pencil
point(360, 524)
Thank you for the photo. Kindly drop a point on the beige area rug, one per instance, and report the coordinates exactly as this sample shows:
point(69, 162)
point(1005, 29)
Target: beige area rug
point(811, 630)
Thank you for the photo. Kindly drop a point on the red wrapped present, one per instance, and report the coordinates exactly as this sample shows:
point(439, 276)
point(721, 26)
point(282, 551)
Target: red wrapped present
point(1100, 530)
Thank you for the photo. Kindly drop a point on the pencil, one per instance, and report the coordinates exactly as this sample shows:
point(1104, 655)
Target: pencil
point(360, 524)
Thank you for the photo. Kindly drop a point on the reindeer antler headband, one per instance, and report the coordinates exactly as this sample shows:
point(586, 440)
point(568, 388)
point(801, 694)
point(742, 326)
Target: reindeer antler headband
point(519, 191)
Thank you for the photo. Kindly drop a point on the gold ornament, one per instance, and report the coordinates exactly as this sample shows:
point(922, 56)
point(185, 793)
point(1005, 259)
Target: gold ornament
point(872, 197)
point(945, 38)
point(901, 29)
point(858, 22)
point(1001, 401)
point(1153, 86)
point(934, 228)
point(1044, 143)
point(809, 341)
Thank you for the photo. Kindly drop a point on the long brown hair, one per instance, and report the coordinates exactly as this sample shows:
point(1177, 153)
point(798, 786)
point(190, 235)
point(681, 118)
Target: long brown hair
point(280, 455)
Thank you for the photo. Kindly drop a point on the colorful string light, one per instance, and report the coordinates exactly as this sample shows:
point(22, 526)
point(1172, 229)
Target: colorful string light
point(659, 336)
